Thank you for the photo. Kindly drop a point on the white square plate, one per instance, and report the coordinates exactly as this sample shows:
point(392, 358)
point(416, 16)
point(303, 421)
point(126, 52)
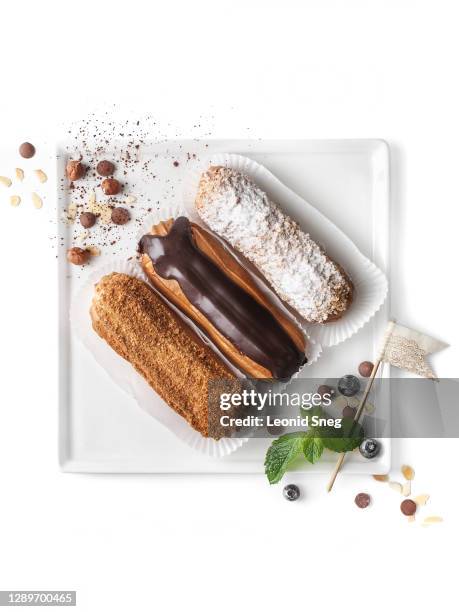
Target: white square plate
point(101, 428)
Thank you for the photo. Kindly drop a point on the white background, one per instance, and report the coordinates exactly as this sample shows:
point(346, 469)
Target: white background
point(307, 69)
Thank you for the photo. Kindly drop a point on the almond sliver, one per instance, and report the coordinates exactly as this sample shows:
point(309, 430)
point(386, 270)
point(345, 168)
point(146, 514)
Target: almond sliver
point(36, 200)
point(421, 500)
point(407, 472)
point(381, 477)
point(41, 176)
point(433, 519)
point(72, 211)
point(95, 251)
point(406, 489)
point(369, 408)
point(4, 180)
point(340, 402)
point(396, 486)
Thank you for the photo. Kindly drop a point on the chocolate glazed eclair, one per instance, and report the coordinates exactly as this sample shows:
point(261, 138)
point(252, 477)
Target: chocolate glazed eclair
point(195, 272)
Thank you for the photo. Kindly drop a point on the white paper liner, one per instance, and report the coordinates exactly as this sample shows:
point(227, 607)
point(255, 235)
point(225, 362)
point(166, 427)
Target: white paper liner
point(369, 281)
point(126, 377)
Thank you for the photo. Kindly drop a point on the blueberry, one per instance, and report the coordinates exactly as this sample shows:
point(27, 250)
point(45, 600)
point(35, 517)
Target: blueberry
point(291, 492)
point(349, 385)
point(369, 448)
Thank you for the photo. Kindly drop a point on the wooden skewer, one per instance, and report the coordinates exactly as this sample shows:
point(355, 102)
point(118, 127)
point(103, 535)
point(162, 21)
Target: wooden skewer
point(358, 414)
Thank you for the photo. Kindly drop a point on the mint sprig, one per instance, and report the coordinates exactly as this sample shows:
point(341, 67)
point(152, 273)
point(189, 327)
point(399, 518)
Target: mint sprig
point(281, 453)
point(345, 439)
point(311, 444)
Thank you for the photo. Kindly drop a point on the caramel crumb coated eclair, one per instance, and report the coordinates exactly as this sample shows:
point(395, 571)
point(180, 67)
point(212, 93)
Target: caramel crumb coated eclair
point(300, 272)
point(140, 327)
point(194, 271)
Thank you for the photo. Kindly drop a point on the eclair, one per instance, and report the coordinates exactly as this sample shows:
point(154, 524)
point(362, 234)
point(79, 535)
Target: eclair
point(193, 269)
point(297, 268)
point(130, 316)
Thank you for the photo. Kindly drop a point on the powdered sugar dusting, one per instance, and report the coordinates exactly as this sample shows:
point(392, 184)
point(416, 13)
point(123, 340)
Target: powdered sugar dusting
point(297, 268)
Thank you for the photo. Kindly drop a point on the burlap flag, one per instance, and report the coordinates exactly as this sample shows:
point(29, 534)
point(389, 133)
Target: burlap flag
point(407, 349)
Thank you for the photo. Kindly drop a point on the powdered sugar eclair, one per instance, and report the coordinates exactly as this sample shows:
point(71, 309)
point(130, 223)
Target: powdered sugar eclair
point(297, 268)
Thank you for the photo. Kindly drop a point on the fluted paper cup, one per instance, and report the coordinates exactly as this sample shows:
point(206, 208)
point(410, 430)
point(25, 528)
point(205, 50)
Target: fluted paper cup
point(369, 281)
point(126, 377)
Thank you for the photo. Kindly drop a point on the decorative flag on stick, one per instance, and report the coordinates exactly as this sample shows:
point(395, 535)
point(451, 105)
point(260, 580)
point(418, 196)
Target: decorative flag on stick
point(403, 348)
point(407, 349)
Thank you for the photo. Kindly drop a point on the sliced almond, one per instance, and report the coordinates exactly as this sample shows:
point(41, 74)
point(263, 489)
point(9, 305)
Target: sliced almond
point(353, 402)
point(396, 486)
point(407, 472)
point(94, 250)
point(433, 519)
point(101, 210)
point(72, 211)
point(19, 174)
point(41, 176)
point(104, 212)
point(340, 402)
point(4, 180)
point(369, 408)
point(15, 200)
point(36, 200)
point(131, 199)
point(421, 500)
point(406, 489)
point(381, 477)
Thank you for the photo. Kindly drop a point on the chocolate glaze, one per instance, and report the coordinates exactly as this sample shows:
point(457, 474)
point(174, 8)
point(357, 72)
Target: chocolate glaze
point(232, 311)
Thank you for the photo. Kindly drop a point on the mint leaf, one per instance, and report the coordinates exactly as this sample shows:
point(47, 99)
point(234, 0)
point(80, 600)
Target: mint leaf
point(345, 439)
point(281, 453)
point(313, 446)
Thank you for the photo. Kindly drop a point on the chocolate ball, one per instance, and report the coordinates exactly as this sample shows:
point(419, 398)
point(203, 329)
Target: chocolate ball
point(105, 168)
point(325, 390)
point(275, 430)
point(408, 507)
point(74, 170)
point(77, 256)
point(87, 219)
point(349, 412)
point(120, 215)
point(362, 500)
point(27, 150)
point(365, 369)
point(111, 186)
